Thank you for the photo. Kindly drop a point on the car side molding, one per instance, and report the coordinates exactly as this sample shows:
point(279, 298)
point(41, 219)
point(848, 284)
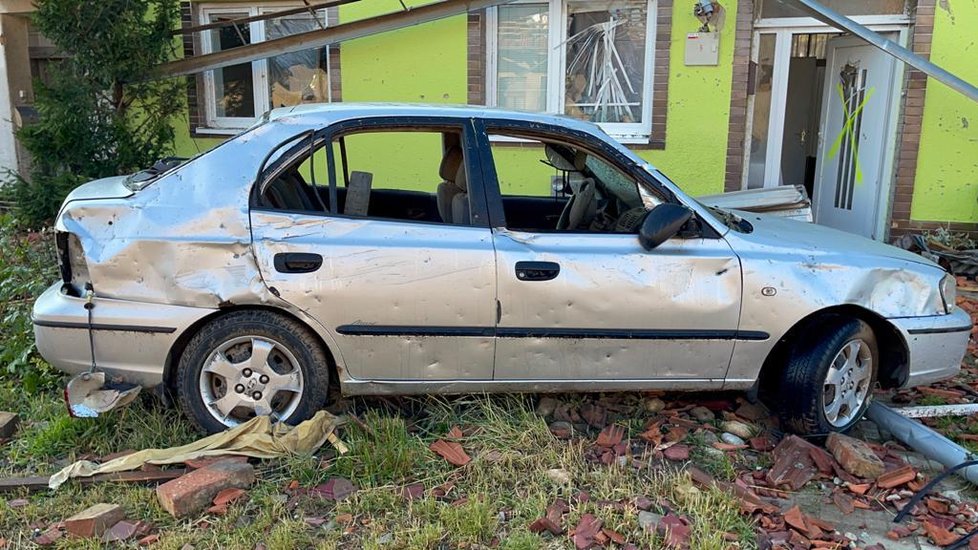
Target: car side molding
point(549, 332)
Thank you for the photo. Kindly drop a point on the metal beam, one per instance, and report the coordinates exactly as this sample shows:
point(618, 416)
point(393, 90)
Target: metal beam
point(324, 37)
point(262, 17)
point(841, 22)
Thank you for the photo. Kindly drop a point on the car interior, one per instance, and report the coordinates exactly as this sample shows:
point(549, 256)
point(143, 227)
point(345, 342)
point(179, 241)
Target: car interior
point(587, 194)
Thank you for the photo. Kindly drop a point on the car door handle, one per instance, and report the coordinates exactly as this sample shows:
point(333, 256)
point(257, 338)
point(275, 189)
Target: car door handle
point(537, 271)
point(297, 262)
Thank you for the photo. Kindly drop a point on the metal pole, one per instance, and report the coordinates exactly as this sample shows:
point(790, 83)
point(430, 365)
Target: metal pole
point(841, 22)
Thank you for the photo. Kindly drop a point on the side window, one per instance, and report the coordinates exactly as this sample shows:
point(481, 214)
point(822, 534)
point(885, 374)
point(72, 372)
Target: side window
point(390, 174)
point(549, 185)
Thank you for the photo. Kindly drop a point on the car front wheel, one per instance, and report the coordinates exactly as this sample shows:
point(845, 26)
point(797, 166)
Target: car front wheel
point(251, 363)
point(828, 382)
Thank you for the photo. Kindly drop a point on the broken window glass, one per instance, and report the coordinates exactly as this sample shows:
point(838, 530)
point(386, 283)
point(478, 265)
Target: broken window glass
point(234, 85)
point(521, 78)
point(297, 77)
point(606, 48)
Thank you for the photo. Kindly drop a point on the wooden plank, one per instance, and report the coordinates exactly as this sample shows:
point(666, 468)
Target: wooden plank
point(323, 37)
point(35, 484)
point(263, 17)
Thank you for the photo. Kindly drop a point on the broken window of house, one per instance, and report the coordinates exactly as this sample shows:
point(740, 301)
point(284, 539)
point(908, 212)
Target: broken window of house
point(594, 65)
point(236, 95)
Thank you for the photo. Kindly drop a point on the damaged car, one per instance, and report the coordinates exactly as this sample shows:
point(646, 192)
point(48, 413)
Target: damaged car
point(389, 249)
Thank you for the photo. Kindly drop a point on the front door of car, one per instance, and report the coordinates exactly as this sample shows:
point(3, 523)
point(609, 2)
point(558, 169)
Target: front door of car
point(587, 303)
point(407, 294)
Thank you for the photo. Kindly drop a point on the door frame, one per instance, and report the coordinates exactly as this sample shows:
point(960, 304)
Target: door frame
point(783, 29)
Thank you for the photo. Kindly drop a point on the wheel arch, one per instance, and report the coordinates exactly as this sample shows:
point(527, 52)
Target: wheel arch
point(180, 344)
point(894, 363)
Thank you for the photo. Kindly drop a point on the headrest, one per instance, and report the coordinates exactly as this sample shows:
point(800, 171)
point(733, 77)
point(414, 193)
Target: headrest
point(564, 158)
point(460, 180)
point(450, 164)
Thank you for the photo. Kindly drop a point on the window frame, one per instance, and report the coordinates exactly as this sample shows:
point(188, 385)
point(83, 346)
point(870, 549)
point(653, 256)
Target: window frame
point(494, 197)
point(325, 137)
point(259, 68)
point(631, 132)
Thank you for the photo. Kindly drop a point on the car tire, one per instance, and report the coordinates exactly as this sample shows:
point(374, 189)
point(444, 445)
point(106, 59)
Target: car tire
point(222, 382)
point(828, 381)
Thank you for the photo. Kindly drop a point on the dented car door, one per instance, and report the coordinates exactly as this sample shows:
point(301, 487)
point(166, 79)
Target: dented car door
point(404, 300)
point(587, 305)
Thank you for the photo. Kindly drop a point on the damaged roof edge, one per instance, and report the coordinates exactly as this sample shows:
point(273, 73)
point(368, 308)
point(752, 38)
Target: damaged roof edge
point(841, 22)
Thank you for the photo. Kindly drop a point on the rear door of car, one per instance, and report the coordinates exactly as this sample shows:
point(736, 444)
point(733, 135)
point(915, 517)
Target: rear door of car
point(596, 308)
point(406, 300)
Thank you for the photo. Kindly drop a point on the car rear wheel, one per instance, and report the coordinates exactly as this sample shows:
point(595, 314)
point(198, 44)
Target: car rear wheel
point(828, 382)
point(251, 363)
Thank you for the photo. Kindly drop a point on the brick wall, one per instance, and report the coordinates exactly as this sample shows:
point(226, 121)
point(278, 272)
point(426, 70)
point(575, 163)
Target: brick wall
point(740, 85)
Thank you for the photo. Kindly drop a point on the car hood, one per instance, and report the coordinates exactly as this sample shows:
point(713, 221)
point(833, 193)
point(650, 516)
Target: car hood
point(817, 240)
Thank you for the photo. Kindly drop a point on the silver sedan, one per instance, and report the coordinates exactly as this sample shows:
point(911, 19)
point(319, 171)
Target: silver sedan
point(388, 249)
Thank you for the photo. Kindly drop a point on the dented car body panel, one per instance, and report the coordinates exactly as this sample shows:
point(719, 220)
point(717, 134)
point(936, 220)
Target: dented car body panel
point(428, 308)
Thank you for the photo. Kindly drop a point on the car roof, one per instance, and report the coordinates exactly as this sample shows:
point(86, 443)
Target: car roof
point(336, 112)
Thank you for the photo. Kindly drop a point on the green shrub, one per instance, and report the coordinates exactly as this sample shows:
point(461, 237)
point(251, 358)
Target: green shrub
point(27, 266)
point(99, 117)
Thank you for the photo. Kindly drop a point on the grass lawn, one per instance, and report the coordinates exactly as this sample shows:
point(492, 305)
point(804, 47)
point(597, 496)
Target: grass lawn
point(490, 501)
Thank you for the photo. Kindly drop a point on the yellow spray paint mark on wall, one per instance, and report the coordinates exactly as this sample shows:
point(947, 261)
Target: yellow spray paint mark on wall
point(848, 132)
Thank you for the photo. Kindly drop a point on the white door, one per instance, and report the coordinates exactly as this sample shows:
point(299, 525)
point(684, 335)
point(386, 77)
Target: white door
point(853, 136)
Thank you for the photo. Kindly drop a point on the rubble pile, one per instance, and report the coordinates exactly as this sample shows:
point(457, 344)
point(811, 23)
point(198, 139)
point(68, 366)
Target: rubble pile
point(768, 469)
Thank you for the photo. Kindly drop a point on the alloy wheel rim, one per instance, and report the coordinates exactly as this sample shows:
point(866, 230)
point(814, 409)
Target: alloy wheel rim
point(250, 376)
point(847, 383)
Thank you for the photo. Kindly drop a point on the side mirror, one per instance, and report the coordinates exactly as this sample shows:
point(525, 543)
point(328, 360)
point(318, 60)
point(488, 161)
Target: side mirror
point(662, 223)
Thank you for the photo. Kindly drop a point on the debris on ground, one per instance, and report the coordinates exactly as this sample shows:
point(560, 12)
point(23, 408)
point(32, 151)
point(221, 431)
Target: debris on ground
point(95, 520)
point(256, 438)
point(853, 474)
point(8, 425)
point(197, 490)
point(89, 395)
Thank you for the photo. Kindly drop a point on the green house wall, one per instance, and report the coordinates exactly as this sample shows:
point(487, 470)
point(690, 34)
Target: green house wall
point(946, 183)
point(427, 64)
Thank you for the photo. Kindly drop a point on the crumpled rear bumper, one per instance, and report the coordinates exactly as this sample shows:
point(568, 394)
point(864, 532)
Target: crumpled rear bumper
point(132, 339)
point(937, 344)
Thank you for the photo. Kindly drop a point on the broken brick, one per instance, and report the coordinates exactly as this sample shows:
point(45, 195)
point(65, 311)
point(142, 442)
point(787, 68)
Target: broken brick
point(855, 456)
point(843, 502)
point(561, 429)
point(795, 518)
point(228, 496)
point(610, 436)
point(595, 415)
point(207, 461)
point(895, 478)
point(938, 534)
point(48, 537)
point(8, 424)
point(335, 489)
point(677, 452)
point(546, 524)
point(793, 465)
point(450, 451)
point(586, 529)
point(95, 520)
point(125, 530)
point(194, 491)
point(413, 491)
point(674, 530)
